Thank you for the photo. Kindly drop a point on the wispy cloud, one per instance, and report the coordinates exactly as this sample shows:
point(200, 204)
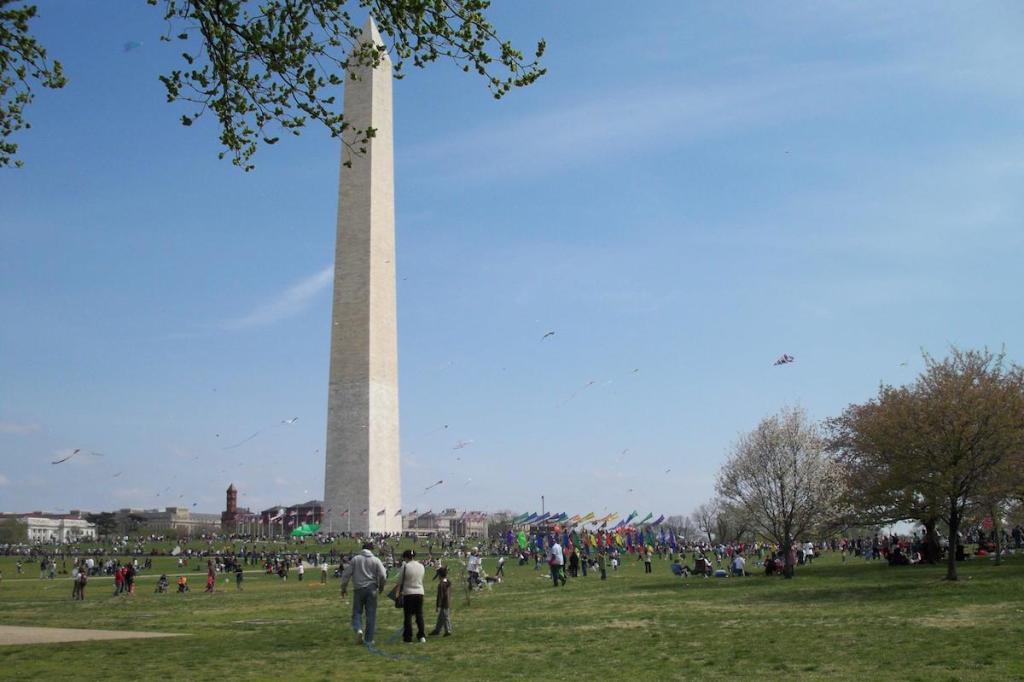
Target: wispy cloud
point(131, 495)
point(625, 122)
point(285, 304)
point(18, 428)
point(603, 474)
point(4, 480)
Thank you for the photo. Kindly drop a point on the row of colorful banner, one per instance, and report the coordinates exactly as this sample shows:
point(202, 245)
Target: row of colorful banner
point(590, 518)
point(626, 538)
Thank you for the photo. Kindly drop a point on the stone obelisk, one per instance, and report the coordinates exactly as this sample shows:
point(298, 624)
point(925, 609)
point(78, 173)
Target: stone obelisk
point(362, 484)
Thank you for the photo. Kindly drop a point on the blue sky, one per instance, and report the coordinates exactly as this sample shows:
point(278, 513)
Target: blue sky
point(690, 192)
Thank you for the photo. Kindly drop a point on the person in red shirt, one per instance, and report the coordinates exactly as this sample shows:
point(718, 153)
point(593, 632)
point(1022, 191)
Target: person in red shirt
point(211, 578)
point(118, 580)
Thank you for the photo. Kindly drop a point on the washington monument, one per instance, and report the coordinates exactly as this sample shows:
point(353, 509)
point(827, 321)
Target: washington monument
point(362, 483)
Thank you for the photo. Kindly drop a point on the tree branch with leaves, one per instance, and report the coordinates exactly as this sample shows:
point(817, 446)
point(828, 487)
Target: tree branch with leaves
point(275, 66)
point(24, 65)
point(264, 68)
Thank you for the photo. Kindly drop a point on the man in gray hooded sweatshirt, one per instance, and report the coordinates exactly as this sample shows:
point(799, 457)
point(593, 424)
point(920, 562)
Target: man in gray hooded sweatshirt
point(368, 575)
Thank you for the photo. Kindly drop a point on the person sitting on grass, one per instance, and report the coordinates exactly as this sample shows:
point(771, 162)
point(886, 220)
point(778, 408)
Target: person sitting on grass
point(679, 570)
point(161, 584)
point(897, 557)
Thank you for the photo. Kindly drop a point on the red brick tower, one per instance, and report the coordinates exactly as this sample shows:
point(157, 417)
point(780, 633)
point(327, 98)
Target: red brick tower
point(229, 517)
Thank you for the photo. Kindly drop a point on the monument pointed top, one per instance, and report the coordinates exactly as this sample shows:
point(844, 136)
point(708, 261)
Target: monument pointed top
point(370, 32)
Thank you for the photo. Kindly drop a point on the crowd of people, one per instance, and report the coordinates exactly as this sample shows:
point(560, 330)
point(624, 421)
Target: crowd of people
point(567, 556)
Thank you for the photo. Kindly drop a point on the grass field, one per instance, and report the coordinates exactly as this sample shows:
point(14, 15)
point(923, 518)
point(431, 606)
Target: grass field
point(850, 621)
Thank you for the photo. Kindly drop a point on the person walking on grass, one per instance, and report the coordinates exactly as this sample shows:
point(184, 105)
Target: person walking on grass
point(83, 578)
point(239, 574)
point(444, 603)
point(410, 591)
point(323, 572)
point(211, 577)
point(75, 585)
point(129, 579)
point(473, 564)
point(556, 560)
point(368, 575)
point(118, 581)
point(301, 570)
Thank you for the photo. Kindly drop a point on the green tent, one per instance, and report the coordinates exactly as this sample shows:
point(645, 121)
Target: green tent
point(305, 529)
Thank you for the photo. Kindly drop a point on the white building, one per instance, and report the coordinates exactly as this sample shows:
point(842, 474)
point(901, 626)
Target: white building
point(449, 522)
point(170, 518)
point(42, 529)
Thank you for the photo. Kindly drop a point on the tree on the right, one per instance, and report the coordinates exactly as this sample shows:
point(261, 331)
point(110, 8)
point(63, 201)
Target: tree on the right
point(931, 451)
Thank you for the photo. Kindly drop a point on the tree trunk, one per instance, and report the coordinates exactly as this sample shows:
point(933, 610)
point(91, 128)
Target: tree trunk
point(954, 532)
point(932, 551)
point(997, 536)
point(787, 550)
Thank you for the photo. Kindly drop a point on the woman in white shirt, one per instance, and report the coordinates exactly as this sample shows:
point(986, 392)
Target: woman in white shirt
point(410, 589)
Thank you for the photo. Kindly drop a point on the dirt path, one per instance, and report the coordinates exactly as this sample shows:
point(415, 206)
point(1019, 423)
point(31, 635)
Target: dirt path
point(17, 634)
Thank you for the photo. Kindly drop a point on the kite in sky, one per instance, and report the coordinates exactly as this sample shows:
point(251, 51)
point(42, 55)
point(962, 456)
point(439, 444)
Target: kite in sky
point(784, 359)
point(75, 452)
point(547, 335)
point(284, 422)
point(437, 430)
point(134, 45)
point(241, 442)
point(462, 444)
point(580, 390)
point(433, 486)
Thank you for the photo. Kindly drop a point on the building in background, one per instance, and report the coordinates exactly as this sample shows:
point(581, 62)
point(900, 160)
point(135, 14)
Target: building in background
point(280, 520)
point(449, 522)
point(235, 519)
point(179, 519)
point(43, 527)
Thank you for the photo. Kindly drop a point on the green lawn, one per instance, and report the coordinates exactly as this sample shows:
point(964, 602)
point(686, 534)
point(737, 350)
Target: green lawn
point(851, 621)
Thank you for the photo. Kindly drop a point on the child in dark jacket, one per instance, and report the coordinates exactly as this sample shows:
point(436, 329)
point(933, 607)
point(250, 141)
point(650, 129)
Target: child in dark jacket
point(444, 603)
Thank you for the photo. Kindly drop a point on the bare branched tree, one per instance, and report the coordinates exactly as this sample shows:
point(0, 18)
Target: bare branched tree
point(782, 479)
